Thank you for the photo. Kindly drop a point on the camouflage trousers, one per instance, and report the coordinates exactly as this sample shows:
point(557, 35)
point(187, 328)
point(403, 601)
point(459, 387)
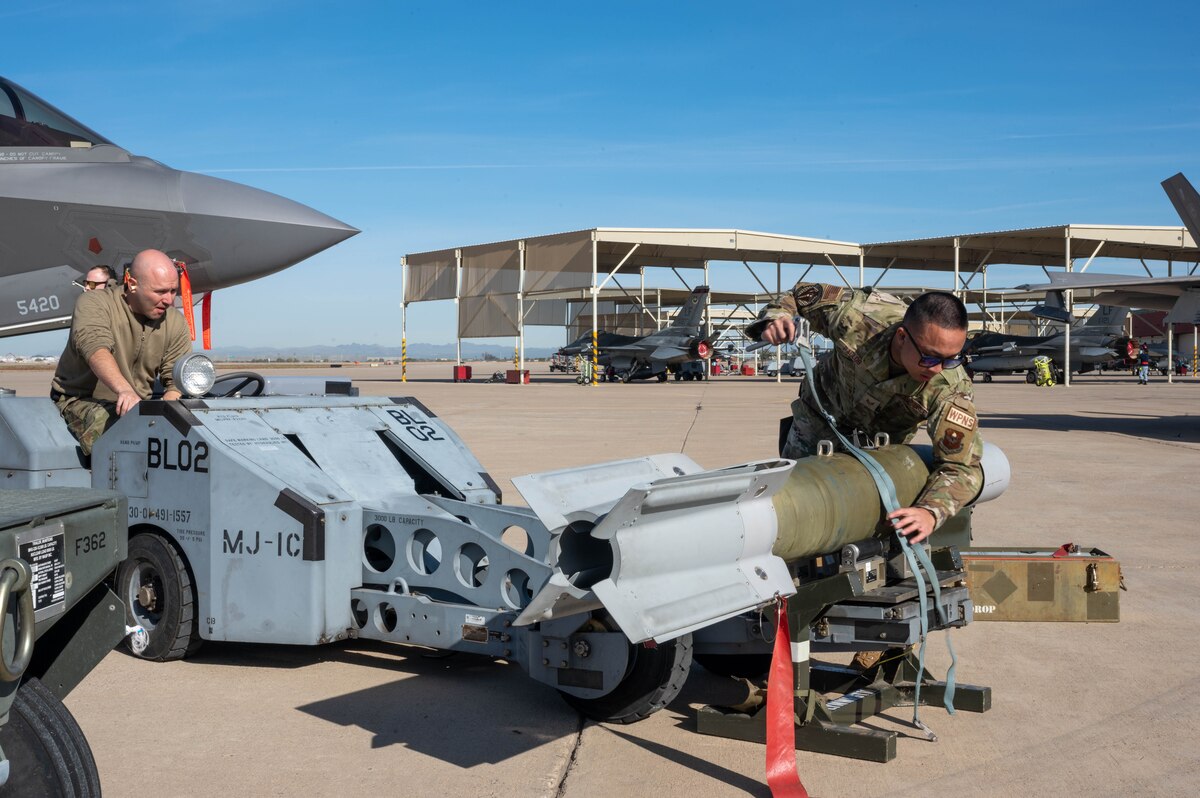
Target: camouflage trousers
point(806, 431)
point(87, 419)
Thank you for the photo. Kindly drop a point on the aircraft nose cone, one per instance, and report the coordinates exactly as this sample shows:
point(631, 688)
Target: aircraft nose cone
point(251, 233)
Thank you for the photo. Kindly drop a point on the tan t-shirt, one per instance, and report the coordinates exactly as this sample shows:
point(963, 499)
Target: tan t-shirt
point(144, 349)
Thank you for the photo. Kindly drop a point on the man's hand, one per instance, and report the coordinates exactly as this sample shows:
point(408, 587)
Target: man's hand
point(780, 330)
point(126, 401)
point(915, 523)
point(172, 395)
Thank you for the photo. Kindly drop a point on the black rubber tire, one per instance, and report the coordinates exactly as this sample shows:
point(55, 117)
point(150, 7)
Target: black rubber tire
point(172, 622)
point(662, 377)
point(738, 666)
point(987, 377)
point(46, 750)
point(653, 679)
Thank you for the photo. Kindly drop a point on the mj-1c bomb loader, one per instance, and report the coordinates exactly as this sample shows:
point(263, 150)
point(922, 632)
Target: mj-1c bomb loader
point(310, 519)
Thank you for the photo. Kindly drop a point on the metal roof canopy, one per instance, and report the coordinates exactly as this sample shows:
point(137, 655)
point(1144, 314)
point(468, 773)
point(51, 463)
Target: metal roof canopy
point(1044, 247)
point(496, 281)
point(1034, 246)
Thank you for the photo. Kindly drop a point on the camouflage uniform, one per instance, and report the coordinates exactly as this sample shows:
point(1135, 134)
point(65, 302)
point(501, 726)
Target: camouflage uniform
point(144, 349)
point(87, 419)
point(865, 390)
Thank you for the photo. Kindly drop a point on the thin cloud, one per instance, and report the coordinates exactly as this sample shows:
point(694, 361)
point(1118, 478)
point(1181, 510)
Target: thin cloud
point(24, 12)
point(377, 168)
point(726, 161)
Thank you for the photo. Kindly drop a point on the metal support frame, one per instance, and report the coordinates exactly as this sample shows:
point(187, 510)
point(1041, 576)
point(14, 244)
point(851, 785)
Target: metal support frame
point(595, 317)
point(1069, 301)
point(521, 317)
point(982, 265)
point(457, 307)
point(957, 290)
point(839, 271)
point(886, 269)
point(403, 319)
point(680, 276)
point(828, 725)
point(1092, 257)
point(616, 268)
point(755, 276)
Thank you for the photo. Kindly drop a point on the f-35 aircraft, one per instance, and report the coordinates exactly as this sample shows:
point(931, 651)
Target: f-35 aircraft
point(71, 200)
point(1093, 342)
point(629, 357)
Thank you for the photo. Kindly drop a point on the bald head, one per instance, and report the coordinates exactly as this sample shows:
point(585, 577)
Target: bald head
point(152, 261)
point(151, 284)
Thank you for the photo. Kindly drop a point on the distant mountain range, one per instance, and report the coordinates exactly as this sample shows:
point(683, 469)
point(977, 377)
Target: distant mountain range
point(343, 352)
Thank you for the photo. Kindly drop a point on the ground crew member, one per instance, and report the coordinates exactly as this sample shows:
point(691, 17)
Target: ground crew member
point(98, 278)
point(891, 369)
point(1144, 365)
point(120, 342)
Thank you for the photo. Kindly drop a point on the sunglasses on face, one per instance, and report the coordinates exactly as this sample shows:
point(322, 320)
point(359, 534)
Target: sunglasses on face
point(929, 361)
point(95, 283)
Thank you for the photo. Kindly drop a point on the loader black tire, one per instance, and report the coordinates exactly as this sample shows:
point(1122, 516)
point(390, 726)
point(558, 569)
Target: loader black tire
point(46, 750)
point(652, 680)
point(170, 619)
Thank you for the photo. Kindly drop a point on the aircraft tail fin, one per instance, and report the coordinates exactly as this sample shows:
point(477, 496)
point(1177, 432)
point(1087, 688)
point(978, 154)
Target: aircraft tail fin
point(1054, 309)
point(690, 314)
point(1107, 319)
point(1186, 201)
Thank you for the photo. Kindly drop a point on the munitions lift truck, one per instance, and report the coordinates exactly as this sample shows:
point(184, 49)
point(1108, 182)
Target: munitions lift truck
point(320, 516)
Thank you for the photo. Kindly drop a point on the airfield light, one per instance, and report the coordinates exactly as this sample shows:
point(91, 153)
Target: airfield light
point(194, 374)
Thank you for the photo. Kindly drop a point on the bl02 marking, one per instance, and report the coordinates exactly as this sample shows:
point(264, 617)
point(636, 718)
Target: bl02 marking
point(419, 428)
point(187, 457)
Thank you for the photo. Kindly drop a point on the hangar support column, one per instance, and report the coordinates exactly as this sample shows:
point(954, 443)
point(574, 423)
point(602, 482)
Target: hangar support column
point(1069, 301)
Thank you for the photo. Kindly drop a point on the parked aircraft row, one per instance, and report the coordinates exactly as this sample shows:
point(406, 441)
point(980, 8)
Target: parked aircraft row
point(71, 200)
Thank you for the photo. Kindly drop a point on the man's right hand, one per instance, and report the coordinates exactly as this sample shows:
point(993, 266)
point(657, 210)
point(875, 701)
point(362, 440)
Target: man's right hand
point(780, 331)
point(126, 401)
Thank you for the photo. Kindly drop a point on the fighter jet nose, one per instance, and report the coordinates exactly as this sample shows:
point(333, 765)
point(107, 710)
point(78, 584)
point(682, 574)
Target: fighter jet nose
point(251, 233)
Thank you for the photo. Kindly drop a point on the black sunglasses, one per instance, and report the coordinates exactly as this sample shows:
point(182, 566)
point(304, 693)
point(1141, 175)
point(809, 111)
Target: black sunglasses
point(928, 361)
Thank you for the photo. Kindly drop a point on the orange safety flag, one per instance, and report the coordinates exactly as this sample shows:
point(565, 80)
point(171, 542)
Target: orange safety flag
point(206, 319)
point(782, 777)
point(185, 295)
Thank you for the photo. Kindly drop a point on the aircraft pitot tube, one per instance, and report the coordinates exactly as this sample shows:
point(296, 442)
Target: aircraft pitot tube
point(667, 547)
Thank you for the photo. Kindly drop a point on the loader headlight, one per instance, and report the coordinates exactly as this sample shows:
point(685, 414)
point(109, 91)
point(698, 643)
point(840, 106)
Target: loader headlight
point(194, 374)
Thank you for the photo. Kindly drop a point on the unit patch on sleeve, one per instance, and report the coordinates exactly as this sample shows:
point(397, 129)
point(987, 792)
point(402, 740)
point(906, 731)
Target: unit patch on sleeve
point(808, 294)
point(952, 440)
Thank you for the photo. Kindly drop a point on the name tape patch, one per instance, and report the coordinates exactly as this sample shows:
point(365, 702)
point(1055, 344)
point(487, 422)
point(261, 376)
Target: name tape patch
point(960, 418)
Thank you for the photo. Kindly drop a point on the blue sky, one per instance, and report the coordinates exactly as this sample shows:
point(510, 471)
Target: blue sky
point(430, 125)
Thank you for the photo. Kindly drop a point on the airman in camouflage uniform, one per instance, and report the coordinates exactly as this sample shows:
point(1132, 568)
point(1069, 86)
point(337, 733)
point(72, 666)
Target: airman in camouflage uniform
point(120, 342)
point(883, 377)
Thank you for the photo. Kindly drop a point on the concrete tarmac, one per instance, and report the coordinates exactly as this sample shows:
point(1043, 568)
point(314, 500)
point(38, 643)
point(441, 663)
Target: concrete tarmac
point(1078, 709)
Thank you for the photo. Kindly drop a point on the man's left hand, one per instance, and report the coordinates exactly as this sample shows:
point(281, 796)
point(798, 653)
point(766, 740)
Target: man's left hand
point(172, 395)
point(915, 523)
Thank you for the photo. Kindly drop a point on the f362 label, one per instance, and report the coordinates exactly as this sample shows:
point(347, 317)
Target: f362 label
point(183, 456)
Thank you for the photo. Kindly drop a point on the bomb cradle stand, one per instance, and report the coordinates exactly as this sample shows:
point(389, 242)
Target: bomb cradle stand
point(855, 601)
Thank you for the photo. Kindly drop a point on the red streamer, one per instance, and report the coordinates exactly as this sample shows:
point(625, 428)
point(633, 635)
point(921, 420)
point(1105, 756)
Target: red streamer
point(206, 319)
point(185, 293)
point(782, 776)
